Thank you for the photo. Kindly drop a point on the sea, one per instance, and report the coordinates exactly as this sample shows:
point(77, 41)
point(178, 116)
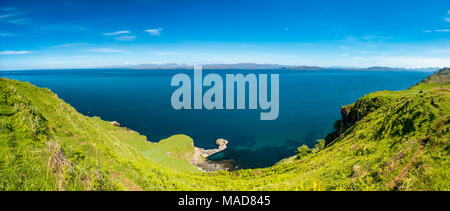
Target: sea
point(140, 99)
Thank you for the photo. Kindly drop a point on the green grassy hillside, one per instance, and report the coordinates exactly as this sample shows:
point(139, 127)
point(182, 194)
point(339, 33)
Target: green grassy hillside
point(385, 141)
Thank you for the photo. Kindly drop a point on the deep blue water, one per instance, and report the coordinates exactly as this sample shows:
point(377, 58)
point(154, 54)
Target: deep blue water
point(140, 99)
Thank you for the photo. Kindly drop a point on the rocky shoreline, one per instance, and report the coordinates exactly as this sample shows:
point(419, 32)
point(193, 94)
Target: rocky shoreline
point(212, 166)
point(200, 157)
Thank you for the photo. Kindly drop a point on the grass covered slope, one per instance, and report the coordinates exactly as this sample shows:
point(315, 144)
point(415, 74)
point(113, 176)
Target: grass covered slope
point(385, 141)
point(45, 144)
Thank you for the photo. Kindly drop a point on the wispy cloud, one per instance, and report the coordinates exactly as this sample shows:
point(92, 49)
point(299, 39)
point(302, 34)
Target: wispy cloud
point(437, 30)
point(13, 52)
point(6, 16)
point(19, 21)
point(107, 50)
point(66, 45)
point(447, 19)
point(12, 16)
point(125, 38)
point(154, 32)
point(3, 34)
point(162, 53)
point(62, 27)
point(116, 33)
point(442, 51)
point(375, 38)
point(401, 61)
point(7, 8)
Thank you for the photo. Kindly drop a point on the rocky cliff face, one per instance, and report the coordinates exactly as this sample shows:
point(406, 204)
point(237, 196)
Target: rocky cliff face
point(350, 114)
point(441, 77)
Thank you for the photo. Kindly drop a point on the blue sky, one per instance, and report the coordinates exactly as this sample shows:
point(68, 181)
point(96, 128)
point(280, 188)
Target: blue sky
point(80, 34)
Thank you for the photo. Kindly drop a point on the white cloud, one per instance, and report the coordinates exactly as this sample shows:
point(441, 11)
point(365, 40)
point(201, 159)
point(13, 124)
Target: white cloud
point(13, 8)
point(12, 16)
point(125, 38)
point(19, 21)
point(437, 30)
point(6, 16)
point(116, 33)
point(375, 37)
point(70, 45)
point(13, 52)
point(162, 53)
point(154, 32)
point(107, 50)
point(447, 19)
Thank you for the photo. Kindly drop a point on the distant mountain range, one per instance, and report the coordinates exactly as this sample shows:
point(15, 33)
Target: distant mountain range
point(270, 66)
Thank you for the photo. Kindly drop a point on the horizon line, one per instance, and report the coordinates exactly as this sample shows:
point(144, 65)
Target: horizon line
point(205, 66)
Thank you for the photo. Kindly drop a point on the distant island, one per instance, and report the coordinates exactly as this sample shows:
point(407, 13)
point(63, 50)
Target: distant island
point(241, 66)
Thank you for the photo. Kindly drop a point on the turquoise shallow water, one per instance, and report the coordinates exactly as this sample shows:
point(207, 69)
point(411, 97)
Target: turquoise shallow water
point(140, 99)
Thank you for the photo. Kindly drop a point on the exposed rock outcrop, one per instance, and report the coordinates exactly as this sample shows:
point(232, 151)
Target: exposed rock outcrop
point(350, 114)
point(200, 155)
point(211, 166)
point(205, 153)
point(116, 123)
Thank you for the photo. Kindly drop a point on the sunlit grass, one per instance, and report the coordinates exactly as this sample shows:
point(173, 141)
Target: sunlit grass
point(45, 144)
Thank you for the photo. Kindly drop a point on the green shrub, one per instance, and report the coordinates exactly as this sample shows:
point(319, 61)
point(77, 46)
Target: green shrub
point(303, 151)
